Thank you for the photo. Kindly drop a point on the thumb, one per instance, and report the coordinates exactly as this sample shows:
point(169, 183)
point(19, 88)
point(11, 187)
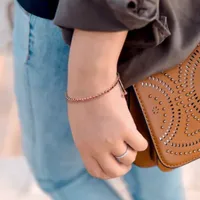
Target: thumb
point(135, 140)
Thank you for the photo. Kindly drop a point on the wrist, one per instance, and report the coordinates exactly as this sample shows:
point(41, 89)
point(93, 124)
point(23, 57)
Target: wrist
point(86, 82)
point(93, 61)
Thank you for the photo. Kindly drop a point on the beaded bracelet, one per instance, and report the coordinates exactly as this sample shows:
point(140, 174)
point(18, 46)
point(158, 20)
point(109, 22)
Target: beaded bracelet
point(79, 100)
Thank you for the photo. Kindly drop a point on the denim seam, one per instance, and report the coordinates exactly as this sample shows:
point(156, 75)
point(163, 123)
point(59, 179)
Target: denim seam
point(39, 168)
point(29, 96)
point(29, 35)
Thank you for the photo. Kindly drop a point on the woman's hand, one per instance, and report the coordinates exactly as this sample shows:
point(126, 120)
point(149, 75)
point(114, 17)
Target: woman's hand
point(102, 128)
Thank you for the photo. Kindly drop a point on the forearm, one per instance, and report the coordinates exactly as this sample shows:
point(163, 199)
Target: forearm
point(93, 60)
point(100, 131)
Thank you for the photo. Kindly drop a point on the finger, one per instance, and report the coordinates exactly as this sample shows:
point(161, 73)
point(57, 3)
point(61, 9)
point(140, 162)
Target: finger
point(93, 168)
point(111, 166)
point(136, 141)
point(121, 148)
point(129, 158)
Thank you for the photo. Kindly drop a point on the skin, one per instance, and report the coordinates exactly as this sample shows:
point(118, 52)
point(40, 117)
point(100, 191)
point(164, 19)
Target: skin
point(101, 128)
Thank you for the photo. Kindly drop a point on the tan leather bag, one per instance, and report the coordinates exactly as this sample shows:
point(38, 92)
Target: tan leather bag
point(166, 110)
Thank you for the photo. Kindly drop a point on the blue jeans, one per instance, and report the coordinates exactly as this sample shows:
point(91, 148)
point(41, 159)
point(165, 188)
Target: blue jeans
point(41, 58)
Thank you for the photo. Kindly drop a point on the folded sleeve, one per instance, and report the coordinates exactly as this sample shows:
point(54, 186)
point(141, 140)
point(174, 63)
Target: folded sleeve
point(106, 15)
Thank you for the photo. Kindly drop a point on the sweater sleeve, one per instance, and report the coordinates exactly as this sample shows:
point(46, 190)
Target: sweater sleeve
point(106, 15)
point(143, 19)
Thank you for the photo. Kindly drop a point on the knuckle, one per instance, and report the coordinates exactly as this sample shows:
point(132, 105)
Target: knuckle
point(130, 162)
point(133, 160)
point(112, 174)
point(92, 172)
point(95, 174)
point(129, 169)
point(134, 157)
point(98, 174)
point(117, 174)
point(102, 175)
point(109, 141)
point(112, 139)
point(105, 177)
point(123, 171)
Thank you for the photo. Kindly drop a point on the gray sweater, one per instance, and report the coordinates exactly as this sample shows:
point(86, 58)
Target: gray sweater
point(162, 33)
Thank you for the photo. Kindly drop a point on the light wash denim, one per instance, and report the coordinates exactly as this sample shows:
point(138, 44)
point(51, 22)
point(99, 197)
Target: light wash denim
point(41, 58)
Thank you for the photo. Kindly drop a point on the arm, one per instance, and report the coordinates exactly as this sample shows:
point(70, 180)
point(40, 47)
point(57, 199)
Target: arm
point(97, 55)
point(104, 127)
point(101, 128)
point(106, 15)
